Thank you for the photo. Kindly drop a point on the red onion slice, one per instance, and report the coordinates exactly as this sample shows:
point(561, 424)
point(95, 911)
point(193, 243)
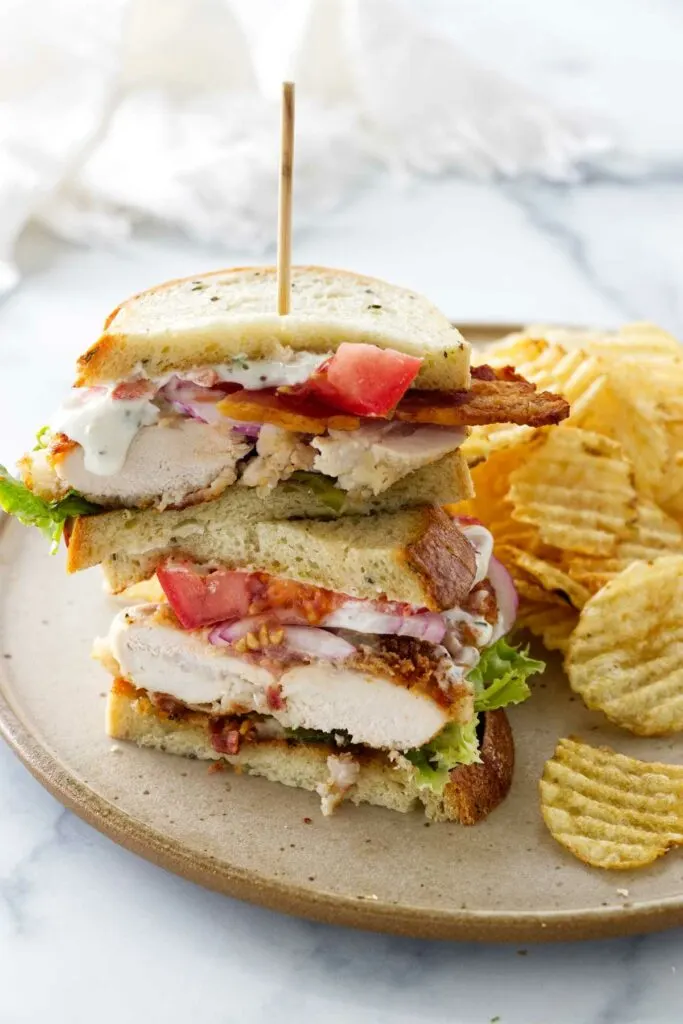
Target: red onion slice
point(361, 617)
point(226, 633)
point(506, 596)
point(201, 404)
point(318, 643)
point(308, 640)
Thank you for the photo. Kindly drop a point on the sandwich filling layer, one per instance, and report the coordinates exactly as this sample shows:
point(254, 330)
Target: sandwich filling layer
point(350, 419)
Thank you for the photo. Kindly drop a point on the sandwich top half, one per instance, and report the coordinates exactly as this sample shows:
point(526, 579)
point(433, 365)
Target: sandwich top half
point(360, 397)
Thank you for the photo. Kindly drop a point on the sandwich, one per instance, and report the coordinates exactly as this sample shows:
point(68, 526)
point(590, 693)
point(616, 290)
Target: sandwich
point(365, 658)
point(356, 402)
point(322, 620)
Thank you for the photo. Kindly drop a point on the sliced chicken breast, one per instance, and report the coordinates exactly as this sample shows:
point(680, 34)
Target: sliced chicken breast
point(166, 465)
point(374, 709)
point(372, 458)
point(279, 454)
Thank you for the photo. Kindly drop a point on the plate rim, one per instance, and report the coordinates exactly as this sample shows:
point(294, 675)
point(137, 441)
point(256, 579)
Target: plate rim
point(289, 898)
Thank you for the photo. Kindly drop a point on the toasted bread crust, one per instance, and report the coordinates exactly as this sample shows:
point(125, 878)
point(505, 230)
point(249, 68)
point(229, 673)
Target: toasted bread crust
point(120, 350)
point(471, 794)
point(444, 559)
point(475, 789)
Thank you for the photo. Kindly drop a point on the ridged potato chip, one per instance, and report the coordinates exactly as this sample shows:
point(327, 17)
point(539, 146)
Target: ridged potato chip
point(625, 656)
point(543, 573)
point(609, 810)
point(653, 534)
point(572, 507)
point(669, 494)
point(491, 480)
point(553, 623)
point(483, 441)
point(601, 376)
point(577, 488)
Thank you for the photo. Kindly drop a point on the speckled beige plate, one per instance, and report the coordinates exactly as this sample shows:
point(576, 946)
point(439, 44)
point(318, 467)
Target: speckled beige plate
point(505, 879)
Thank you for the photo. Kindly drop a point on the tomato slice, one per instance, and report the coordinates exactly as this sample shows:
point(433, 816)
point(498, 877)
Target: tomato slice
point(200, 599)
point(364, 379)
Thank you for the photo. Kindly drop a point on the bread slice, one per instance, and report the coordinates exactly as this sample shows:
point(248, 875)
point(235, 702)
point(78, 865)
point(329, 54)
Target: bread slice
point(471, 793)
point(211, 318)
point(94, 538)
point(417, 555)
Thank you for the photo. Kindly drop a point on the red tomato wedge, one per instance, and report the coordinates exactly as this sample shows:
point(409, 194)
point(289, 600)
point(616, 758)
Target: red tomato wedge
point(200, 599)
point(364, 379)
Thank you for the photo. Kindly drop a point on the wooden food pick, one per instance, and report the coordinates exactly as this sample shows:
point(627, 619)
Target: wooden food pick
point(284, 232)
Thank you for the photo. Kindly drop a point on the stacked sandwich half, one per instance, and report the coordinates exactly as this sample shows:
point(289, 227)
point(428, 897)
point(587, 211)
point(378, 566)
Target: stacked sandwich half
point(325, 622)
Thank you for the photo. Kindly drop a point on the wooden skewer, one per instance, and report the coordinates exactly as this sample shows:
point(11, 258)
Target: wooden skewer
point(284, 224)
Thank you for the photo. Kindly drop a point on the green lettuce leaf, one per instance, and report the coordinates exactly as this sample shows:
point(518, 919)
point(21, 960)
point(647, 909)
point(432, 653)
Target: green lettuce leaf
point(500, 677)
point(48, 516)
point(456, 744)
point(309, 736)
point(323, 487)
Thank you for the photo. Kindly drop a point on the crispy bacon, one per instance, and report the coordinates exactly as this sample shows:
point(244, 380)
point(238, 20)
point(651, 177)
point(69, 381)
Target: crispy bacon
point(274, 698)
point(291, 412)
point(495, 396)
point(168, 705)
point(128, 389)
point(225, 735)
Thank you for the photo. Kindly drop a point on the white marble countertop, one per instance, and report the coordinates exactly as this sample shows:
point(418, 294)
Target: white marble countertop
point(88, 931)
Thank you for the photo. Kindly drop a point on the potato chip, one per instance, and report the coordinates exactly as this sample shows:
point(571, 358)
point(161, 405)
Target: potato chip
point(625, 656)
point(643, 343)
point(489, 504)
point(652, 534)
point(609, 380)
point(552, 622)
point(483, 441)
point(609, 810)
point(577, 488)
point(669, 493)
point(551, 578)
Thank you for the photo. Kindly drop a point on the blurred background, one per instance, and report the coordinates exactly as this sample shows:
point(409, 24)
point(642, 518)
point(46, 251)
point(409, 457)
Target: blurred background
point(514, 160)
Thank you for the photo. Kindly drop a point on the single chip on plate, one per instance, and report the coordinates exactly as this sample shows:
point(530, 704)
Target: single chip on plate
point(625, 656)
point(609, 810)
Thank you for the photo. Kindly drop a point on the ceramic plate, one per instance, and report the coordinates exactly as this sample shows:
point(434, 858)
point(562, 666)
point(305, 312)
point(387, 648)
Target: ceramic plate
point(505, 879)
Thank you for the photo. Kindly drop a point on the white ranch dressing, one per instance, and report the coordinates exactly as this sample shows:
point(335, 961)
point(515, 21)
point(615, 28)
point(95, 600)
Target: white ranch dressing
point(103, 426)
point(254, 374)
point(481, 540)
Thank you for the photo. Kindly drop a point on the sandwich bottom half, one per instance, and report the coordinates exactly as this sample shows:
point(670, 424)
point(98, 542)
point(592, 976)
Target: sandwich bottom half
point(315, 762)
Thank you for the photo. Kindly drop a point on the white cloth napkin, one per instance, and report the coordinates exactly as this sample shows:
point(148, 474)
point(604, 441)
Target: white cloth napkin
point(127, 110)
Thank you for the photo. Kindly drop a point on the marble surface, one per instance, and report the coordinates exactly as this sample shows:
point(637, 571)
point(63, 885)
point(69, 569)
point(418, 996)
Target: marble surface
point(89, 931)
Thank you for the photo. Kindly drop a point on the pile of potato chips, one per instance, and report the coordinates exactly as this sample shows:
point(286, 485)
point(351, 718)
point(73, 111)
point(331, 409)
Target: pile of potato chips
point(588, 518)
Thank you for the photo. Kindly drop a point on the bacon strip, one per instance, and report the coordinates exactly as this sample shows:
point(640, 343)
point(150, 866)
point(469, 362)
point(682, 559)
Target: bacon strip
point(303, 415)
point(495, 396)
